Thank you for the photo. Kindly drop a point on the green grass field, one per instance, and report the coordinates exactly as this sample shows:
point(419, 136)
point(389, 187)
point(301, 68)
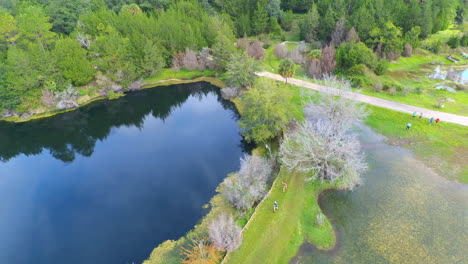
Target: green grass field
point(168, 73)
point(443, 147)
point(276, 237)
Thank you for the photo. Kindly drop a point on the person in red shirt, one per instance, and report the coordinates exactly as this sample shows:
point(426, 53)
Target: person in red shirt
point(437, 120)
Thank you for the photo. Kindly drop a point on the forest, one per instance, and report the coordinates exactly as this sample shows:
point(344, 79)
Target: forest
point(49, 48)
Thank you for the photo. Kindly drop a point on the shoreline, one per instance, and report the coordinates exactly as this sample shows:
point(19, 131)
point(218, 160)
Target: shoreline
point(39, 115)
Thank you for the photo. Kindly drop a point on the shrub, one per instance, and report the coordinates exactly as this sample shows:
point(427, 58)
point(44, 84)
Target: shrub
point(281, 51)
point(350, 54)
point(190, 61)
point(313, 69)
point(225, 233)
point(381, 67)
point(48, 98)
point(454, 42)
point(378, 87)
point(266, 45)
point(246, 187)
point(201, 251)
point(419, 90)
point(405, 91)
point(464, 41)
point(315, 54)
point(356, 70)
point(392, 91)
point(408, 52)
point(255, 50)
point(229, 92)
point(296, 56)
point(435, 46)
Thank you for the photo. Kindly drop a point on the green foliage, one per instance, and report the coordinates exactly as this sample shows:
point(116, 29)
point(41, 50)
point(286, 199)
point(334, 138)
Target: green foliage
point(71, 60)
point(34, 26)
point(454, 42)
point(266, 110)
point(309, 25)
point(260, 18)
point(64, 14)
point(350, 54)
point(464, 41)
point(389, 36)
point(381, 67)
point(240, 72)
point(287, 68)
point(287, 20)
point(8, 28)
point(327, 24)
point(412, 36)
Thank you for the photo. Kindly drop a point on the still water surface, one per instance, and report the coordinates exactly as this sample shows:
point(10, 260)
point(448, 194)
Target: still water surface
point(403, 213)
point(110, 181)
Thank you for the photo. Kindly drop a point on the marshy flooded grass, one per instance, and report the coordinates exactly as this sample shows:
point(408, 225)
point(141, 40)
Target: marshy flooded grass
point(403, 213)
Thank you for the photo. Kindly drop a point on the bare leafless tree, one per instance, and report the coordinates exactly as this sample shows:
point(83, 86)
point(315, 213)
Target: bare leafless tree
point(229, 92)
point(178, 61)
point(313, 69)
point(281, 51)
point(333, 81)
point(224, 233)
point(190, 60)
point(352, 36)
point(323, 145)
point(339, 34)
point(84, 40)
point(244, 188)
point(243, 43)
point(48, 98)
point(329, 154)
point(328, 61)
point(340, 112)
point(205, 60)
point(255, 49)
point(408, 52)
point(296, 56)
point(302, 47)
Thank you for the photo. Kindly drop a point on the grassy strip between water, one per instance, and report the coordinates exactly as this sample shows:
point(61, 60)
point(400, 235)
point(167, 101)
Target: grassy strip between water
point(276, 237)
point(442, 147)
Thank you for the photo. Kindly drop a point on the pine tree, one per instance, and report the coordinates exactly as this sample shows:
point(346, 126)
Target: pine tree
point(309, 25)
point(260, 18)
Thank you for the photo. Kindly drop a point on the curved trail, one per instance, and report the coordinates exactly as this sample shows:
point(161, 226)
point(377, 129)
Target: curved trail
point(445, 117)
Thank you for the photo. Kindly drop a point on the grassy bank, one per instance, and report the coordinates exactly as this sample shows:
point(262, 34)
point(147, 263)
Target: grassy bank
point(276, 237)
point(442, 147)
point(88, 94)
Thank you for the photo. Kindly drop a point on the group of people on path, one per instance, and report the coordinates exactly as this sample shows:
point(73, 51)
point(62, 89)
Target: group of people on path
point(431, 121)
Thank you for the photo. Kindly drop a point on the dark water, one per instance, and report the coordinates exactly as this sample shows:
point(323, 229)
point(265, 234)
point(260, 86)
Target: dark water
point(110, 181)
point(404, 213)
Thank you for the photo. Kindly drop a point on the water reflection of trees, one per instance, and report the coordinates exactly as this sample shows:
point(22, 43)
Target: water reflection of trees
point(66, 134)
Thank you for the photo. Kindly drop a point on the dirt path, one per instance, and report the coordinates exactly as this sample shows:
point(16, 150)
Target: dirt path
point(445, 117)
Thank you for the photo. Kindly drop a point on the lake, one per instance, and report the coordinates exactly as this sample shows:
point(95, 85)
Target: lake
point(110, 181)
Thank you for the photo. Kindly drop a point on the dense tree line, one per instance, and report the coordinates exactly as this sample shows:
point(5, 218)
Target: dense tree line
point(49, 45)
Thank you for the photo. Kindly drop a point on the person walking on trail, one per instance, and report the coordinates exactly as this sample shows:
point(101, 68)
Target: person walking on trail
point(285, 186)
point(421, 116)
point(437, 120)
point(275, 206)
point(431, 121)
point(408, 126)
point(415, 114)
